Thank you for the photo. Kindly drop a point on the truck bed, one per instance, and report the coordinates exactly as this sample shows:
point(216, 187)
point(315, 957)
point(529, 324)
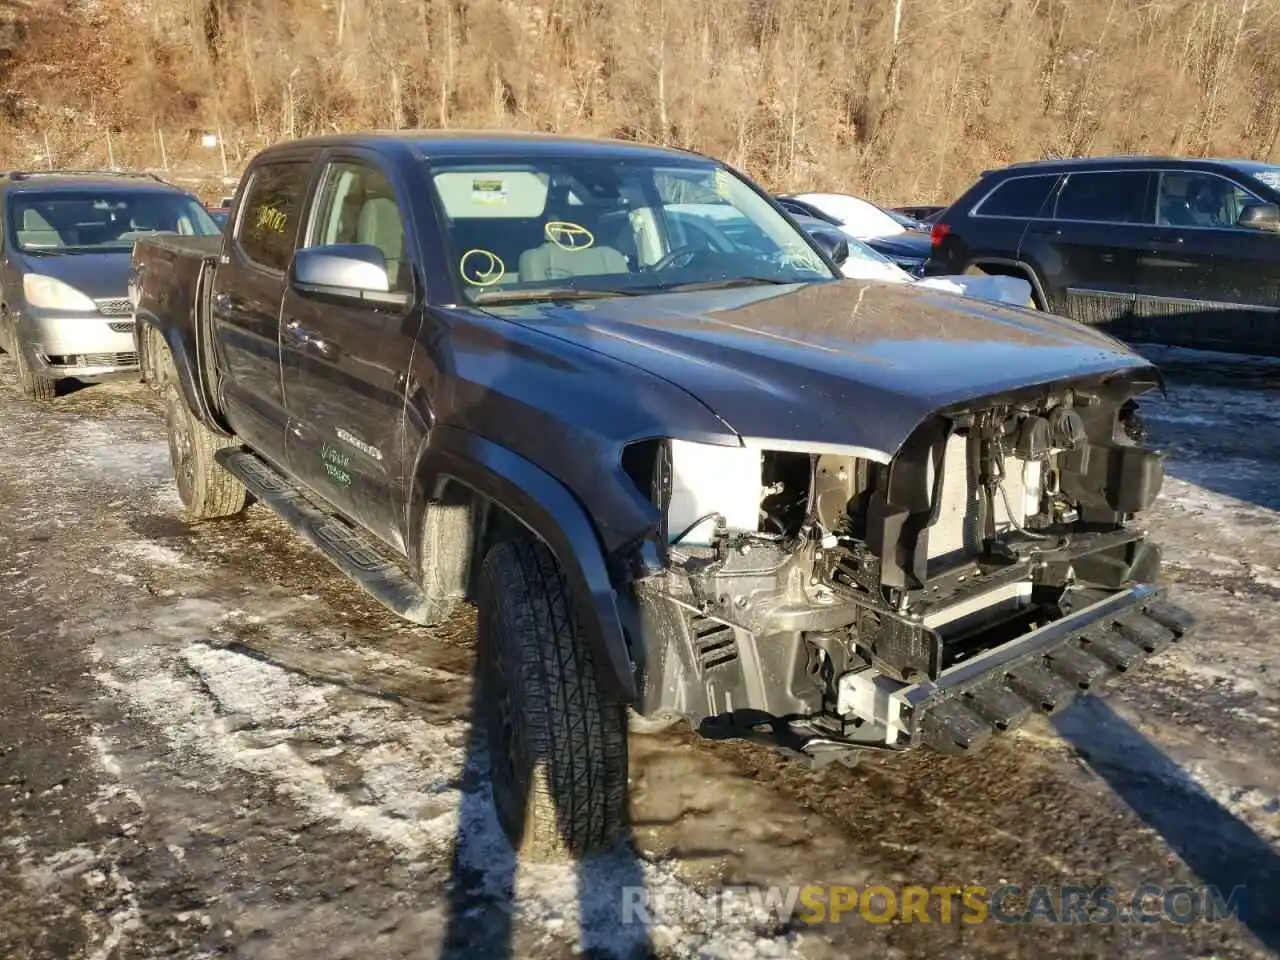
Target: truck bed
point(168, 282)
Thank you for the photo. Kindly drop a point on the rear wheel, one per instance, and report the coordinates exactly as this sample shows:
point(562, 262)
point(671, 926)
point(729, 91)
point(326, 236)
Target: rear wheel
point(205, 488)
point(557, 746)
point(33, 385)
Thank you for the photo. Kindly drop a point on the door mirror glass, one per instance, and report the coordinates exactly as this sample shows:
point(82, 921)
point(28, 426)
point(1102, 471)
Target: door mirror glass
point(346, 270)
point(1260, 216)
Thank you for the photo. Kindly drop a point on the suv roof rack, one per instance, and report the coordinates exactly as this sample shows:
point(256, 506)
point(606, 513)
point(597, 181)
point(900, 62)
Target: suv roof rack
point(138, 175)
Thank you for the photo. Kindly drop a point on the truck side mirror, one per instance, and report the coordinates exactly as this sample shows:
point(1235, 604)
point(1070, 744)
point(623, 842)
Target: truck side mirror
point(347, 271)
point(1260, 216)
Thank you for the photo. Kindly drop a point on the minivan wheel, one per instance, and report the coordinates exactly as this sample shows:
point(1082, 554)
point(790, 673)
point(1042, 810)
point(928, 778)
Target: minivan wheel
point(205, 488)
point(557, 746)
point(33, 385)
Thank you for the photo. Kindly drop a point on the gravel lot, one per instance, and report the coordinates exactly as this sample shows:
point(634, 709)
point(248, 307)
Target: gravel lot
point(212, 746)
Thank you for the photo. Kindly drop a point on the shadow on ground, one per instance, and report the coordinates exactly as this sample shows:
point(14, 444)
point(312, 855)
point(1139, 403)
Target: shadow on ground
point(1222, 850)
point(484, 906)
point(1219, 423)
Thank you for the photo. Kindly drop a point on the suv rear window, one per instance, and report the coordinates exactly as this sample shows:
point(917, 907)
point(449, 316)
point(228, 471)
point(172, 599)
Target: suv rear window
point(1113, 197)
point(1018, 197)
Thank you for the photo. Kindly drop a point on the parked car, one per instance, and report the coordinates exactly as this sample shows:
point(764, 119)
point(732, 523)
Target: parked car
point(902, 240)
point(857, 261)
point(921, 214)
point(711, 485)
point(1162, 250)
point(219, 215)
point(64, 268)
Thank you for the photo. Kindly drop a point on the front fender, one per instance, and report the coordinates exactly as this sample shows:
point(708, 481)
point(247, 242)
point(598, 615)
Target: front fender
point(548, 510)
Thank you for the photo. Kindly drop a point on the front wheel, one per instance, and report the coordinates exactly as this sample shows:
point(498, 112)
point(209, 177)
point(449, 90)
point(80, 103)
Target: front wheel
point(557, 746)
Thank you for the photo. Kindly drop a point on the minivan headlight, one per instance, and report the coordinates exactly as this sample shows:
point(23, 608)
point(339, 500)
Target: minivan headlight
point(50, 293)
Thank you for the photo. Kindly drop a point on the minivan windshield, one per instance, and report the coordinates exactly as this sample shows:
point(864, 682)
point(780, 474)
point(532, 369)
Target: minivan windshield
point(564, 227)
point(100, 221)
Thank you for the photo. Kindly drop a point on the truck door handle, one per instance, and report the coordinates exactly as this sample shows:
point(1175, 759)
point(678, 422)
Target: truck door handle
point(1175, 238)
point(1046, 231)
point(308, 340)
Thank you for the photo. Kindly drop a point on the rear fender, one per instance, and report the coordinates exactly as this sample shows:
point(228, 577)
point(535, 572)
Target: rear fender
point(545, 508)
point(183, 362)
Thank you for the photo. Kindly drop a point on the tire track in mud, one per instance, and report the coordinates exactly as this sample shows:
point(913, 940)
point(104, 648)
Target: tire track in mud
point(230, 681)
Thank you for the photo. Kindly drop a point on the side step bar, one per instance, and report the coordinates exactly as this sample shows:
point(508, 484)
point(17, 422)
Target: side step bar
point(342, 545)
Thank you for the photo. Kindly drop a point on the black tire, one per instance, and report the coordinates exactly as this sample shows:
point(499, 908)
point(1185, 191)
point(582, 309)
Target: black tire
point(207, 491)
point(557, 747)
point(33, 385)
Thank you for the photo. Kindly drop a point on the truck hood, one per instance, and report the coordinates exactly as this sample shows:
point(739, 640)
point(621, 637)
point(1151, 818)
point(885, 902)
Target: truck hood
point(99, 276)
point(853, 363)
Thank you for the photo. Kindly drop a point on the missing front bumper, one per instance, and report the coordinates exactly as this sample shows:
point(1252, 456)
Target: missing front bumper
point(1042, 672)
point(991, 693)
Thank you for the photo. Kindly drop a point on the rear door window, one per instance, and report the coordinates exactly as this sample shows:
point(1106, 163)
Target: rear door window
point(1118, 196)
point(268, 226)
point(1020, 197)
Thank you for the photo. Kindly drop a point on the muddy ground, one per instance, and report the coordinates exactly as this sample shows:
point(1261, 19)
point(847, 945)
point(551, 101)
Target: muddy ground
point(212, 746)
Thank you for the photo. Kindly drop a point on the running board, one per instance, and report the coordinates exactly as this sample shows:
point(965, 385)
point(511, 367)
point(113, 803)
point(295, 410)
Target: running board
point(342, 545)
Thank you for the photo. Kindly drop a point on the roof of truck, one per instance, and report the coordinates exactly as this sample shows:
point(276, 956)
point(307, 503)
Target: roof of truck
point(454, 143)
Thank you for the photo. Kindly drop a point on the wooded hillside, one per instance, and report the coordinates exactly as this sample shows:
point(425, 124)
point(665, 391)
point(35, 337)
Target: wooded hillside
point(901, 100)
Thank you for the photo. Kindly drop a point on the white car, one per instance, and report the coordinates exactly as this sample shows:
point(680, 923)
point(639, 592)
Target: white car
point(865, 263)
point(713, 225)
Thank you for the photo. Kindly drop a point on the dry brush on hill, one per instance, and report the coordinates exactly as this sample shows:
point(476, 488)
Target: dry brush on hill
point(903, 100)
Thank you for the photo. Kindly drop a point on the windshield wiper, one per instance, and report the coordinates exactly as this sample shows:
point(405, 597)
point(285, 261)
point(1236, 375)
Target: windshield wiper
point(548, 293)
point(726, 284)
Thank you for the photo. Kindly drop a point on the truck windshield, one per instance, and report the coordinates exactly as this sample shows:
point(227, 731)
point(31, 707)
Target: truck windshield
point(99, 221)
point(575, 227)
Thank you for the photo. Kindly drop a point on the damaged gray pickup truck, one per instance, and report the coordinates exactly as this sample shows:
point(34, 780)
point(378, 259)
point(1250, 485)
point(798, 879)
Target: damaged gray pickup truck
point(613, 397)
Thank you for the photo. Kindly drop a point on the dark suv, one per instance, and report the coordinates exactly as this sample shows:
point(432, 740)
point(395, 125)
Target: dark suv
point(1161, 250)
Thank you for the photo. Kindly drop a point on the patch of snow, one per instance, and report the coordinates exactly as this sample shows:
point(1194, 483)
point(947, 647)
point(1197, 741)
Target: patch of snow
point(153, 554)
point(122, 921)
point(420, 792)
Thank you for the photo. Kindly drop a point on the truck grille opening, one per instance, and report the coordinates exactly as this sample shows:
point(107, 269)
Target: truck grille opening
point(121, 326)
point(957, 533)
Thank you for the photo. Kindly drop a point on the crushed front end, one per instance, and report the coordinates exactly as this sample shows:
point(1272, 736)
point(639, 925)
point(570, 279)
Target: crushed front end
point(828, 600)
